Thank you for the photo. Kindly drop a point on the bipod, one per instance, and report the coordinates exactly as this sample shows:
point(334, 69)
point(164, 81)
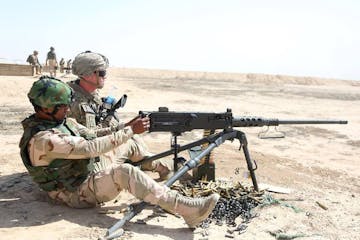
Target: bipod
point(214, 141)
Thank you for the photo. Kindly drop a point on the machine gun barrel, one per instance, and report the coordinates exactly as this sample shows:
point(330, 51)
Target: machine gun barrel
point(250, 121)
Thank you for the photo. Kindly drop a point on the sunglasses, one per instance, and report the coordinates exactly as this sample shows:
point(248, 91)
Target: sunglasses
point(101, 73)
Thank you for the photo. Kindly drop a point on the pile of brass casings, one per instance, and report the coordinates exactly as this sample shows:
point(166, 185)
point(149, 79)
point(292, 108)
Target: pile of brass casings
point(235, 199)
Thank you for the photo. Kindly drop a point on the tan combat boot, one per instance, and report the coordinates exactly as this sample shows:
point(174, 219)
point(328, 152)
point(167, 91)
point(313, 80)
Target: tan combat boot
point(193, 210)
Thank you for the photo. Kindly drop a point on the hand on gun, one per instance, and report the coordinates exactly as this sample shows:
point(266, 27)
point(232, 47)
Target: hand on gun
point(139, 124)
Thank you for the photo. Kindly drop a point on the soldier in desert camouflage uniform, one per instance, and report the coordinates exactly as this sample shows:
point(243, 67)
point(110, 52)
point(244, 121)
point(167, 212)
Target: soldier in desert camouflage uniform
point(62, 65)
point(33, 60)
point(58, 153)
point(91, 69)
point(51, 60)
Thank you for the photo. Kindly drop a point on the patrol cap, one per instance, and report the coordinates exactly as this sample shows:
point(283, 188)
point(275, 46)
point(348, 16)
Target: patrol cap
point(88, 62)
point(48, 92)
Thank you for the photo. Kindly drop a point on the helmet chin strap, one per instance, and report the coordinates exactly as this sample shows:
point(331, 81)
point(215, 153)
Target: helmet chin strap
point(53, 113)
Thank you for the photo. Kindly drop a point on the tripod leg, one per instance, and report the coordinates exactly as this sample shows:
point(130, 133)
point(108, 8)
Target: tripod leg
point(175, 147)
point(251, 169)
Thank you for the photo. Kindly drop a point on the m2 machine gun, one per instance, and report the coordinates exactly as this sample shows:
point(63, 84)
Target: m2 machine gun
point(178, 122)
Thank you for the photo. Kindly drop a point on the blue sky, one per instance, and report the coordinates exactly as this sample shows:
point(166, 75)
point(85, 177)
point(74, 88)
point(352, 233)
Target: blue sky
point(319, 38)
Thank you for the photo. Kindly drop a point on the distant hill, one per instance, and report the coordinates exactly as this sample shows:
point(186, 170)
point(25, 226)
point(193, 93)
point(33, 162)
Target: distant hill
point(252, 78)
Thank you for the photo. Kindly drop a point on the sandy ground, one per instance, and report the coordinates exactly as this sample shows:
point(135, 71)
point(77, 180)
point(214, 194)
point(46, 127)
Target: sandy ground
point(318, 163)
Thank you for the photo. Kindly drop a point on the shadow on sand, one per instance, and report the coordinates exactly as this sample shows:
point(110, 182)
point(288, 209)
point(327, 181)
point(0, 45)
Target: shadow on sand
point(22, 204)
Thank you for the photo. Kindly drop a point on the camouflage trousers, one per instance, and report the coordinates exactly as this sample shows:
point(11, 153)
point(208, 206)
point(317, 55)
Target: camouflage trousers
point(52, 67)
point(35, 69)
point(106, 185)
point(134, 150)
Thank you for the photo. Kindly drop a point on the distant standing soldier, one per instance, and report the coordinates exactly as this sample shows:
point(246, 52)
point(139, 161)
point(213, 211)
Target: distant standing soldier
point(52, 62)
point(34, 62)
point(62, 65)
point(68, 66)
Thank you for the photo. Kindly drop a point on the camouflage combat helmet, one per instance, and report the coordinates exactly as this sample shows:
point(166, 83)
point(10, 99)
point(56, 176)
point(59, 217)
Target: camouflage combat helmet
point(48, 92)
point(88, 62)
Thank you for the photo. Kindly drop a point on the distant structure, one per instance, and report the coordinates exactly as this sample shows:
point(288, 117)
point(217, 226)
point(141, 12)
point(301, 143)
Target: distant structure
point(11, 69)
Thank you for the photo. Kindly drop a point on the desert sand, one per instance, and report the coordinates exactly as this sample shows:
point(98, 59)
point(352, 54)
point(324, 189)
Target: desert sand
point(319, 164)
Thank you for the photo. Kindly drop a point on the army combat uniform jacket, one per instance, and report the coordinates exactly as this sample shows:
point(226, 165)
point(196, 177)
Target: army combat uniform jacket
point(85, 108)
point(58, 157)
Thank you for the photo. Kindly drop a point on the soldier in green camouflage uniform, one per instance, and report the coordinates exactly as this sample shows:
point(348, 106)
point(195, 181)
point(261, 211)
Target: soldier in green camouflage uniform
point(91, 69)
point(58, 154)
